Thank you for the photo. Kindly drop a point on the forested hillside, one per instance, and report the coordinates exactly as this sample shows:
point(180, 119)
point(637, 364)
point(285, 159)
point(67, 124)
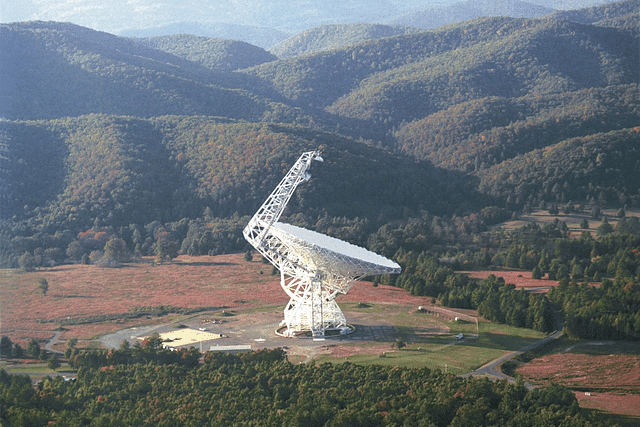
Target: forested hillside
point(144, 386)
point(329, 37)
point(602, 169)
point(538, 58)
point(121, 168)
point(56, 70)
point(429, 137)
point(260, 36)
point(610, 15)
point(481, 133)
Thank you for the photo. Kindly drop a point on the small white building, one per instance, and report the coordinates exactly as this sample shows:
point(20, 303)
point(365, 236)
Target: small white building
point(242, 348)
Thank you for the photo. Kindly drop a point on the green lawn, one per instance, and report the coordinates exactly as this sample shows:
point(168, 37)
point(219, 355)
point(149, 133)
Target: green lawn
point(444, 352)
point(456, 359)
point(39, 369)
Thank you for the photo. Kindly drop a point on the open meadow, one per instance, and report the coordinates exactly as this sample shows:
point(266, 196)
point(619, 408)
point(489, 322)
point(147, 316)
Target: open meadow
point(86, 301)
point(605, 375)
point(519, 278)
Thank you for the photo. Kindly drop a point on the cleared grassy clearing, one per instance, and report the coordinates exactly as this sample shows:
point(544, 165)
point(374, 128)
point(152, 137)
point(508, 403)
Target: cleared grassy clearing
point(455, 359)
point(444, 352)
point(436, 347)
point(36, 369)
point(605, 375)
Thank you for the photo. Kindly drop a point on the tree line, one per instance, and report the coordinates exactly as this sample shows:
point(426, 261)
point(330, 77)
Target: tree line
point(424, 275)
point(608, 309)
point(145, 385)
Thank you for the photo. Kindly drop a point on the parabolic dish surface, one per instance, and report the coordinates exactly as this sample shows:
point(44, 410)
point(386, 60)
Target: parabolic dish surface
point(311, 241)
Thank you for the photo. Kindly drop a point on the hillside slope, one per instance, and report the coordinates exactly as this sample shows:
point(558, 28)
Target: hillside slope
point(537, 57)
point(99, 130)
point(60, 70)
point(620, 14)
point(602, 169)
point(258, 36)
point(328, 37)
point(478, 134)
point(123, 170)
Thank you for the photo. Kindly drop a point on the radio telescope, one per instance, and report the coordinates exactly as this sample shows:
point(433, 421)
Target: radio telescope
point(314, 268)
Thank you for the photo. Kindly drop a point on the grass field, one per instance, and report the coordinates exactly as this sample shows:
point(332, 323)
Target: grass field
point(456, 358)
point(37, 371)
point(431, 342)
point(36, 368)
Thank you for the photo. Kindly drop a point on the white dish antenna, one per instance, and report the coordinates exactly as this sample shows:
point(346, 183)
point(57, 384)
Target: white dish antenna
point(314, 268)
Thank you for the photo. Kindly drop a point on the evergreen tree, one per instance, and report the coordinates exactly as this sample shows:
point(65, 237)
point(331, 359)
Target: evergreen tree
point(33, 348)
point(604, 229)
point(43, 285)
point(5, 346)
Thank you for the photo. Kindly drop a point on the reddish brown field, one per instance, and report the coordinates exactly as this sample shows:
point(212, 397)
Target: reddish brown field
point(81, 291)
point(613, 403)
point(77, 291)
point(609, 372)
point(522, 279)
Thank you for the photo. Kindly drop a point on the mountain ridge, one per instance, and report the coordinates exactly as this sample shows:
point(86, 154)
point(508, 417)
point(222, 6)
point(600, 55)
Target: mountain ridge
point(94, 62)
point(257, 22)
point(215, 54)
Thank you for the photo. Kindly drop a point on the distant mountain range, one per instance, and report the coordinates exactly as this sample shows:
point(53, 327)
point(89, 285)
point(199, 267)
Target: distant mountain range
point(213, 53)
point(274, 33)
point(99, 129)
point(266, 23)
point(259, 36)
point(438, 16)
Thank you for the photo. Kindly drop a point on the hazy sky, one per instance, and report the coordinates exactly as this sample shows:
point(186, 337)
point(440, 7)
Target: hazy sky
point(286, 15)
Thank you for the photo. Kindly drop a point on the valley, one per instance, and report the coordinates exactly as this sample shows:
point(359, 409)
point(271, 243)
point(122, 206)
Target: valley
point(495, 159)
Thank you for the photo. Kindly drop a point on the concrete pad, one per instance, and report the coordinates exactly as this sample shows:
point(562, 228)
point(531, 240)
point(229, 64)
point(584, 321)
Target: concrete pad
point(186, 336)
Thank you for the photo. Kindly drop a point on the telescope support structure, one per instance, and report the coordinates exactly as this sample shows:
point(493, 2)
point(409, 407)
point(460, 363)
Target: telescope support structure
point(314, 268)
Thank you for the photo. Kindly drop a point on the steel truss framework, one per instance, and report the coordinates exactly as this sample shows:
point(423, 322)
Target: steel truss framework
point(314, 268)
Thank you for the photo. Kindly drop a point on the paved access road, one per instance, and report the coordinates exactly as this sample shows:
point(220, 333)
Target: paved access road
point(492, 369)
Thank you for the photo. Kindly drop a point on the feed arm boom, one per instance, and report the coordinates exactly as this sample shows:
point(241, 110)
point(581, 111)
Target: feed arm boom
point(270, 211)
